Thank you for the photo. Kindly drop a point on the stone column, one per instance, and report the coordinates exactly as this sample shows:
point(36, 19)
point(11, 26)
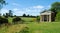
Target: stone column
point(42, 18)
point(49, 18)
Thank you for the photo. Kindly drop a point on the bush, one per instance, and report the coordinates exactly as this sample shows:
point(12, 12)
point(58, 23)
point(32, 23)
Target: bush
point(33, 20)
point(16, 19)
point(3, 20)
point(38, 18)
point(57, 17)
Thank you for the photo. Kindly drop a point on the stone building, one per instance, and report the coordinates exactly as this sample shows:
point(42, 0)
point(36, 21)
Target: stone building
point(47, 16)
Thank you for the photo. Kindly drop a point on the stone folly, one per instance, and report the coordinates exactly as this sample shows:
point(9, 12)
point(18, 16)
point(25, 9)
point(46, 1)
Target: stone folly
point(47, 16)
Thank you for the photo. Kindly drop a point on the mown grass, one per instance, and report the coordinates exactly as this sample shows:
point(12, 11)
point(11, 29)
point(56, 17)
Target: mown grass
point(45, 27)
point(25, 19)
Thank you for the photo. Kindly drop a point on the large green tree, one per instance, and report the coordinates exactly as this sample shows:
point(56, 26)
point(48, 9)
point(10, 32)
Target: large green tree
point(2, 2)
point(55, 7)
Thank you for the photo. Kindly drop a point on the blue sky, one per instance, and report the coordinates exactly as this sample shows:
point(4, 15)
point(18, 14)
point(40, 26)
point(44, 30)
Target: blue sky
point(31, 7)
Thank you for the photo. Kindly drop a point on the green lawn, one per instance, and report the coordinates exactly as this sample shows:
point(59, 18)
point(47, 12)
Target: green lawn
point(25, 19)
point(45, 27)
point(34, 27)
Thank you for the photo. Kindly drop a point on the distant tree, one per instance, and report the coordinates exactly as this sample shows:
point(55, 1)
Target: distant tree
point(24, 15)
point(4, 15)
point(7, 15)
point(10, 13)
point(38, 18)
point(14, 15)
point(28, 15)
point(2, 2)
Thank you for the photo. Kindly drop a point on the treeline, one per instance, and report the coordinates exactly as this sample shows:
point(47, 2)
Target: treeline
point(24, 15)
point(9, 14)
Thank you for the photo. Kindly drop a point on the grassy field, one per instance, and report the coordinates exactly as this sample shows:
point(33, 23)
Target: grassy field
point(43, 27)
point(26, 19)
point(34, 27)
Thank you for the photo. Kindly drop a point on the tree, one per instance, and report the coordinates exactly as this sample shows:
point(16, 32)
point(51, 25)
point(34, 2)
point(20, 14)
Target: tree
point(7, 14)
point(55, 7)
point(24, 15)
point(10, 13)
point(2, 2)
point(4, 15)
point(38, 18)
point(28, 15)
point(58, 16)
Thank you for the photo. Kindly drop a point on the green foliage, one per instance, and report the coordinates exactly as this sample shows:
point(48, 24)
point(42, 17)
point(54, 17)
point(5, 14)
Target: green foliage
point(24, 15)
point(2, 2)
point(58, 16)
point(7, 15)
point(38, 18)
point(55, 6)
point(3, 20)
point(16, 20)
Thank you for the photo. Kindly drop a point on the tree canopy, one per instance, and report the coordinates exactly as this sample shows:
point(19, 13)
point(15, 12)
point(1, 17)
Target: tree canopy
point(2, 2)
point(55, 6)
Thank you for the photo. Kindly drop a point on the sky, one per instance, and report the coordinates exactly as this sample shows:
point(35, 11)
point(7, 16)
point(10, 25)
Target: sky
point(31, 7)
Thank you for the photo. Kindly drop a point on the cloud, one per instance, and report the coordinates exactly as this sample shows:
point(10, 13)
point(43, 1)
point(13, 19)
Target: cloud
point(3, 11)
point(18, 12)
point(15, 4)
point(15, 9)
point(38, 6)
point(33, 10)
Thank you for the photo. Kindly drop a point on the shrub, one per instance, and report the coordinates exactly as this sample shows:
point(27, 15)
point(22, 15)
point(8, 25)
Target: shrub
point(3, 20)
point(33, 20)
point(57, 17)
point(16, 19)
point(38, 18)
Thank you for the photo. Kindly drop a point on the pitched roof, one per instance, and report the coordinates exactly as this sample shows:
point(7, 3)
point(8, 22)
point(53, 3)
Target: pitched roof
point(46, 13)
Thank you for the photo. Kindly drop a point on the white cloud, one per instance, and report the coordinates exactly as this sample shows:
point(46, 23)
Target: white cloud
point(3, 11)
point(15, 9)
point(33, 10)
point(38, 6)
point(18, 12)
point(15, 4)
